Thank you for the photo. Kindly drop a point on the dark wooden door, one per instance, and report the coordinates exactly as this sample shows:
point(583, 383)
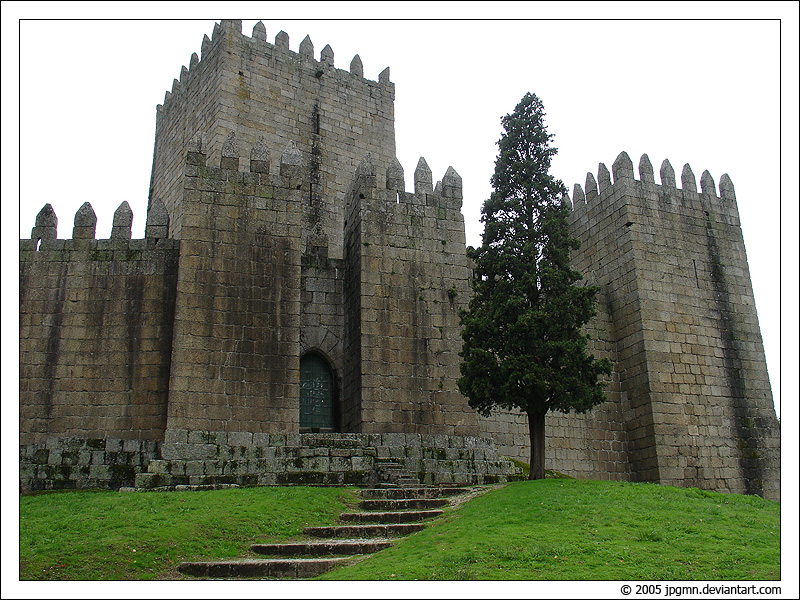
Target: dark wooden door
point(316, 393)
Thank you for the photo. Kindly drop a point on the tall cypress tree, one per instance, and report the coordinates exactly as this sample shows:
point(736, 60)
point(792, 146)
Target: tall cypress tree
point(523, 345)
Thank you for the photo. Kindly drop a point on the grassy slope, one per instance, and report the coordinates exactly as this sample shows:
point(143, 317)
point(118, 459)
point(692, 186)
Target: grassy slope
point(550, 529)
point(559, 529)
point(144, 535)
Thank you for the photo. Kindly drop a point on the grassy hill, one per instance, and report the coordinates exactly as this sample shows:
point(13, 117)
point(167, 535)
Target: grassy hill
point(552, 529)
point(558, 529)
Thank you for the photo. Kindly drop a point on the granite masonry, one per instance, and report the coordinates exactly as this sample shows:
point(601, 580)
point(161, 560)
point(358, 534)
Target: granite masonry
point(291, 315)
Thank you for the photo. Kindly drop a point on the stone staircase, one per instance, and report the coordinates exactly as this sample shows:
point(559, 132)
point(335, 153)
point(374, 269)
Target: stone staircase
point(395, 506)
point(390, 471)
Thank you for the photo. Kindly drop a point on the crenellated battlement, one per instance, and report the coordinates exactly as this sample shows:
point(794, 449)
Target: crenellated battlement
point(623, 175)
point(44, 232)
point(450, 186)
point(291, 171)
point(670, 260)
point(259, 48)
point(291, 165)
point(428, 207)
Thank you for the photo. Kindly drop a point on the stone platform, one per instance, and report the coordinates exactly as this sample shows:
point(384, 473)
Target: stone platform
point(202, 458)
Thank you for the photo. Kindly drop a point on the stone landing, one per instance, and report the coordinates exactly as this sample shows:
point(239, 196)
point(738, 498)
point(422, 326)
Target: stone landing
point(215, 459)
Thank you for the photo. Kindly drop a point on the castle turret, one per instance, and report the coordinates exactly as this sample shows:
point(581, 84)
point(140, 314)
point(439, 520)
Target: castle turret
point(408, 277)
point(694, 393)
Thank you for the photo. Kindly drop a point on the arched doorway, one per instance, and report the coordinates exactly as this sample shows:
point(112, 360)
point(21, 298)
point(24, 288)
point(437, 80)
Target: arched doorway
point(317, 394)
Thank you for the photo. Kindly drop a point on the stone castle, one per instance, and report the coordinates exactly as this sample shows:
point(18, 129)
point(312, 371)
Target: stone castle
point(291, 315)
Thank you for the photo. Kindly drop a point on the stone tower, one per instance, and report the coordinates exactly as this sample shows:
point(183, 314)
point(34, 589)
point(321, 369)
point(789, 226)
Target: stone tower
point(695, 398)
point(255, 89)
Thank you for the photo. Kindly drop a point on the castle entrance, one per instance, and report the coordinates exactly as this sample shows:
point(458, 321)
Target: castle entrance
point(316, 393)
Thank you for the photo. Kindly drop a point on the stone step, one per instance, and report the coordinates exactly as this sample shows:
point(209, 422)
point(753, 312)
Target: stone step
point(410, 492)
point(407, 481)
point(453, 490)
point(403, 504)
point(405, 516)
point(288, 568)
point(364, 531)
point(322, 547)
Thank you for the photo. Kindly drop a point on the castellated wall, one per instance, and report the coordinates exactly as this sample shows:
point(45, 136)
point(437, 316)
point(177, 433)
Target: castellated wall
point(96, 320)
point(694, 394)
point(235, 360)
point(261, 90)
point(95, 329)
point(408, 279)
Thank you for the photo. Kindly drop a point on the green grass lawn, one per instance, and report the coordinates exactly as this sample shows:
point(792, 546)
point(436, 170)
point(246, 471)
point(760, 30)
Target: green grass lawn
point(550, 530)
point(104, 535)
point(565, 529)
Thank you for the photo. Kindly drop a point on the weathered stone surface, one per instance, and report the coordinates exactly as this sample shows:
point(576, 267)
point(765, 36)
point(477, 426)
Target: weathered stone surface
point(260, 32)
point(46, 224)
point(282, 40)
point(578, 196)
point(423, 178)
point(687, 339)
point(622, 167)
point(395, 176)
point(307, 47)
point(85, 222)
point(326, 56)
point(157, 220)
point(688, 181)
point(603, 178)
point(590, 187)
point(646, 169)
point(726, 189)
point(667, 174)
point(356, 67)
point(230, 153)
point(123, 219)
point(707, 184)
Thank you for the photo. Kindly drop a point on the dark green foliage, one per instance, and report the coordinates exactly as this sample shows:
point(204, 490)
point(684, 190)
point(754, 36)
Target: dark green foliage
point(523, 345)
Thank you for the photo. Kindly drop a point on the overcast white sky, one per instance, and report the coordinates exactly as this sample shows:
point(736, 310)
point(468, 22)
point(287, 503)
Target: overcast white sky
point(720, 95)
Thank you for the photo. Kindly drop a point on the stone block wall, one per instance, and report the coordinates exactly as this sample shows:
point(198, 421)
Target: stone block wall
point(594, 445)
point(410, 275)
point(693, 382)
point(235, 363)
point(96, 321)
point(60, 463)
point(213, 458)
point(322, 316)
point(256, 89)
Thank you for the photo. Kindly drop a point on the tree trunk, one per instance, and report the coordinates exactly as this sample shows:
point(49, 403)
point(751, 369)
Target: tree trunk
point(536, 431)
